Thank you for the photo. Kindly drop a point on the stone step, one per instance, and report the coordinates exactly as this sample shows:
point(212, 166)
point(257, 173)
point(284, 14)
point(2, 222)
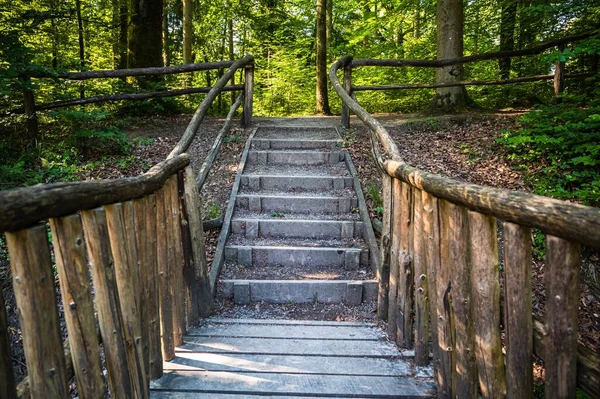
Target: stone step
point(350, 292)
point(295, 144)
point(290, 228)
point(302, 158)
point(265, 202)
point(291, 183)
point(252, 254)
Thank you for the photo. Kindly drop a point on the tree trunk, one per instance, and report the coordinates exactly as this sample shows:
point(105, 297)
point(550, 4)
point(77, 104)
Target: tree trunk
point(449, 45)
point(329, 19)
point(321, 49)
point(417, 20)
point(507, 35)
point(165, 38)
point(231, 54)
point(81, 45)
point(188, 35)
point(123, 26)
point(145, 34)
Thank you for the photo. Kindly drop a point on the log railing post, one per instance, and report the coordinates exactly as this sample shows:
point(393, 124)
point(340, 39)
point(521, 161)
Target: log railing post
point(559, 78)
point(348, 89)
point(248, 94)
point(404, 325)
point(8, 388)
point(175, 260)
point(30, 112)
point(383, 274)
point(395, 258)
point(420, 283)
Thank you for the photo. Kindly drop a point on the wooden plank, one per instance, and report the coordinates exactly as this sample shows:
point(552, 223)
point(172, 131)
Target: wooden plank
point(275, 346)
point(126, 284)
point(289, 364)
point(348, 89)
point(22, 207)
point(286, 331)
point(71, 263)
point(106, 299)
point(307, 385)
point(164, 275)
point(420, 283)
point(395, 258)
point(446, 369)
point(462, 303)
point(486, 304)
point(191, 292)
point(221, 320)
point(153, 300)
point(562, 292)
point(383, 273)
point(176, 262)
point(193, 203)
point(33, 284)
point(517, 311)
point(404, 335)
point(8, 388)
point(248, 94)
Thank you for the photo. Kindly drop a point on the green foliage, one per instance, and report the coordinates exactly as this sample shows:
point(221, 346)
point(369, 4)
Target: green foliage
point(561, 145)
point(539, 244)
point(232, 139)
point(214, 210)
point(375, 195)
point(277, 214)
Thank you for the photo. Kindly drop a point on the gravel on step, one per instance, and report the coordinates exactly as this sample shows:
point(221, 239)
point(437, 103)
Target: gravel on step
point(233, 270)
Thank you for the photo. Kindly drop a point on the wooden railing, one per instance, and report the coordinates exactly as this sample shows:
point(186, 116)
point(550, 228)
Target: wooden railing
point(141, 239)
point(439, 272)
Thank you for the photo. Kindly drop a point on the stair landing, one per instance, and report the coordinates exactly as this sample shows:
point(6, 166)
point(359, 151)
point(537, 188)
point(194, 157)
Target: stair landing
point(251, 358)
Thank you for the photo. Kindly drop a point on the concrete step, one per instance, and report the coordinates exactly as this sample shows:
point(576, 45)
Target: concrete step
point(285, 203)
point(291, 183)
point(297, 133)
point(300, 157)
point(295, 144)
point(261, 253)
point(350, 292)
point(290, 228)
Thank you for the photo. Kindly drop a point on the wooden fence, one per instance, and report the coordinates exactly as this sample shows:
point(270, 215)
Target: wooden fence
point(439, 283)
point(141, 239)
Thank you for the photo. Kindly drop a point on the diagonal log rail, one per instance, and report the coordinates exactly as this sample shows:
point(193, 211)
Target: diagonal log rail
point(452, 225)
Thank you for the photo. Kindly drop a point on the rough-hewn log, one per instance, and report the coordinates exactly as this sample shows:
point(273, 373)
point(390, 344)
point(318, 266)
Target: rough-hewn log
point(124, 269)
point(420, 282)
point(120, 73)
point(33, 284)
point(8, 388)
point(517, 311)
point(395, 258)
point(472, 58)
point(463, 304)
point(562, 302)
point(193, 203)
point(121, 97)
point(348, 88)
point(248, 95)
point(214, 150)
point(404, 335)
point(176, 261)
point(71, 263)
point(106, 299)
point(192, 128)
point(383, 273)
point(559, 79)
point(23, 207)
point(164, 276)
point(486, 304)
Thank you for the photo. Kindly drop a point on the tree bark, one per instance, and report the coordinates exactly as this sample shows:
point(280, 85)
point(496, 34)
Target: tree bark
point(81, 44)
point(507, 35)
point(165, 38)
point(188, 36)
point(321, 50)
point(329, 19)
point(145, 34)
point(231, 54)
point(449, 45)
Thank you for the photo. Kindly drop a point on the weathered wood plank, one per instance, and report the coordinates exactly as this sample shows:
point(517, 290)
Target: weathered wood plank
point(395, 258)
point(248, 94)
point(289, 364)
point(307, 385)
point(486, 304)
point(383, 273)
point(125, 268)
point(71, 263)
point(164, 275)
point(446, 375)
point(193, 203)
point(33, 284)
point(420, 283)
point(462, 303)
point(517, 311)
point(286, 331)
point(106, 300)
point(176, 261)
point(8, 388)
point(562, 292)
point(23, 207)
point(404, 335)
point(348, 88)
point(143, 248)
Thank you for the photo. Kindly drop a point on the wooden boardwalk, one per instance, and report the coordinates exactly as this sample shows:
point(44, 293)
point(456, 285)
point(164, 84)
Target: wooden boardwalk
point(249, 358)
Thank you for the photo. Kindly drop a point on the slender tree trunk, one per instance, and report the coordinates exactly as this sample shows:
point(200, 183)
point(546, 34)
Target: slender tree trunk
point(81, 45)
point(188, 36)
point(507, 35)
point(165, 38)
point(449, 45)
point(231, 53)
point(145, 35)
point(329, 24)
point(321, 49)
point(123, 27)
point(115, 32)
point(417, 20)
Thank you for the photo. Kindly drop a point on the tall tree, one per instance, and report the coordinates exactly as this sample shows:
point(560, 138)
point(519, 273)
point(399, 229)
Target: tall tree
point(321, 50)
point(81, 44)
point(188, 37)
point(145, 33)
point(507, 34)
point(449, 19)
